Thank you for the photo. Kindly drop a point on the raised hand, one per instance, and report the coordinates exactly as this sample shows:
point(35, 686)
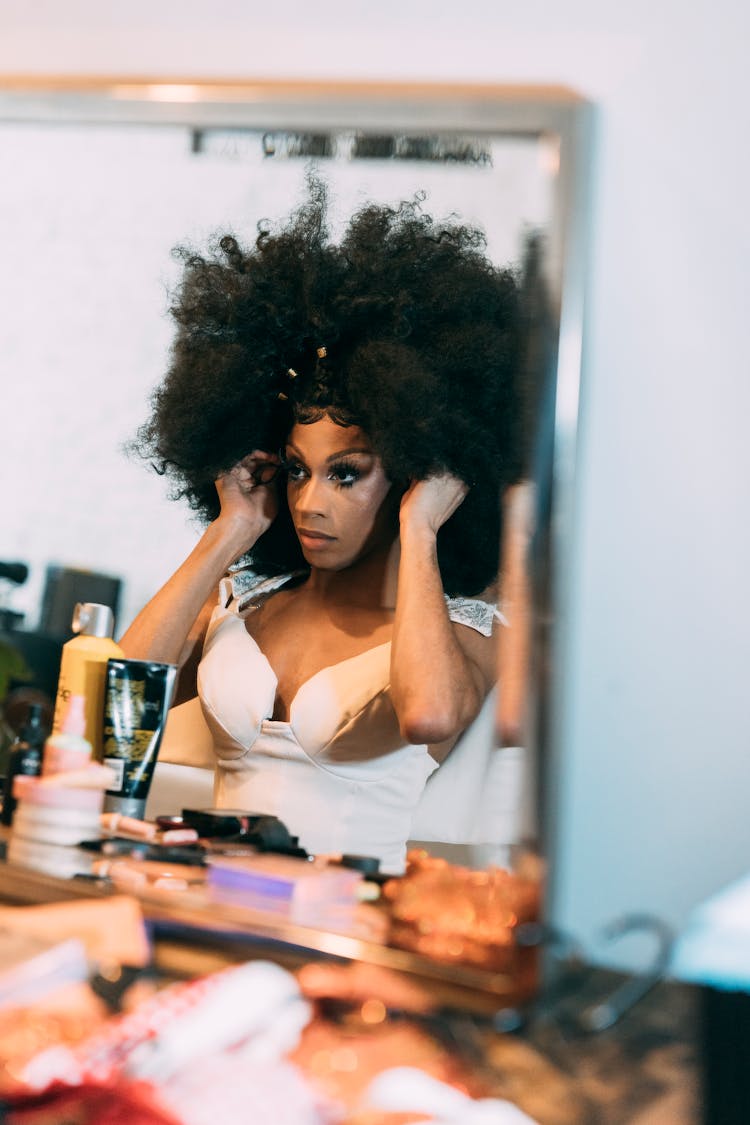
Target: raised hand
point(247, 493)
point(428, 504)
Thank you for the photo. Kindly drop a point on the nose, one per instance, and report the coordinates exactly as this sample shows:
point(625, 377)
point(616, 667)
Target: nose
point(311, 497)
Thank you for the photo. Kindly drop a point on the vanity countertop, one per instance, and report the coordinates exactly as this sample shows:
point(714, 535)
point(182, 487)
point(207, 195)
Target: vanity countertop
point(643, 1071)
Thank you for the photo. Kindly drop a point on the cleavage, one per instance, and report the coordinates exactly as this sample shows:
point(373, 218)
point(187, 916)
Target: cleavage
point(310, 648)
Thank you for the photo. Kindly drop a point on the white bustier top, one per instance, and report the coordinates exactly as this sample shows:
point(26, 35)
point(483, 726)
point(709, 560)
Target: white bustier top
point(337, 773)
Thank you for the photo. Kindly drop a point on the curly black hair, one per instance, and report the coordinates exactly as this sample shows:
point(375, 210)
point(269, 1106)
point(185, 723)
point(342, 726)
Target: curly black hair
point(404, 327)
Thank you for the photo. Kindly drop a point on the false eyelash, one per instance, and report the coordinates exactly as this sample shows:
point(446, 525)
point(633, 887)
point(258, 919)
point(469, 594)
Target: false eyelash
point(289, 464)
point(344, 466)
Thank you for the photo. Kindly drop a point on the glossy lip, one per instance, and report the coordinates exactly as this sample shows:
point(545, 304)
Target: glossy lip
point(313, 538)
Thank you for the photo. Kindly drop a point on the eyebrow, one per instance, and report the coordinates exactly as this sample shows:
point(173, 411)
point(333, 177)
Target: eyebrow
point(334, 456)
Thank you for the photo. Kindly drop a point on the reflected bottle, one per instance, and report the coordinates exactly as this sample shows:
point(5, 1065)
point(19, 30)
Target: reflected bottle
point(68, 748)
point(25, 756)
point(83, 668)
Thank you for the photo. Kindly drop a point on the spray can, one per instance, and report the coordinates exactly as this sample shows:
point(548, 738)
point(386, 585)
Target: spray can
point(83, 668)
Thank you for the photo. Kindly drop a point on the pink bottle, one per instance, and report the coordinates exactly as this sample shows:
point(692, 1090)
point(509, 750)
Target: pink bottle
point(68, 748)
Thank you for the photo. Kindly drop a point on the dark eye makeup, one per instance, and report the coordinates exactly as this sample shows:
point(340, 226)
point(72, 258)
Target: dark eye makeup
point(344, 473)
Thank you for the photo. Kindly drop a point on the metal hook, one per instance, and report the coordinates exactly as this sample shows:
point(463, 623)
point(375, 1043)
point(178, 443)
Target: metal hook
point(605, 1013)
point(568, 969)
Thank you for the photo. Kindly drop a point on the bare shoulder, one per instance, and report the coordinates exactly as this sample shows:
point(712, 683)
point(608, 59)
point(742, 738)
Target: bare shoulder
point(475, 626)
point(480, 651)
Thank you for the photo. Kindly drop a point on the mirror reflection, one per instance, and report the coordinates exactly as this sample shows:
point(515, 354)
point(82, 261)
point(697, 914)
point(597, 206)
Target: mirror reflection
point(90, 217)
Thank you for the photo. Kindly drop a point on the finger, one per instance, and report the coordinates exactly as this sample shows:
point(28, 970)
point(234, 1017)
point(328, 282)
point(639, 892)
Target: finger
point(260, 455)
point(261, 467)
point(454, 481)
point(238, 480)
point(229, 477)
point(454, 488)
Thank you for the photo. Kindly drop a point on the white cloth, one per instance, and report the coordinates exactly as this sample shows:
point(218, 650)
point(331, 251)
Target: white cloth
point(338, 773)
point(406, 1089)
point(478, 795)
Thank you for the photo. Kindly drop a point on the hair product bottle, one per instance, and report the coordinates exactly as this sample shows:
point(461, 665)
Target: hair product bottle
point(25, 756)
point(138, 694)
point(83, 668)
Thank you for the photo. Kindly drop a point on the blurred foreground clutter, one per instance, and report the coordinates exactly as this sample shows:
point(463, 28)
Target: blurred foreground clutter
point(244, 1040)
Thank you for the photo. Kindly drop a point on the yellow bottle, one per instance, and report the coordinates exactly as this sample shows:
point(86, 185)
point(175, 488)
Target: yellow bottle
point(83, 668)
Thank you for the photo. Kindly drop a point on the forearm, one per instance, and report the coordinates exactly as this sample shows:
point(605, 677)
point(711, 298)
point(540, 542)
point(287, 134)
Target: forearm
point(434, 687)
point(162, 630)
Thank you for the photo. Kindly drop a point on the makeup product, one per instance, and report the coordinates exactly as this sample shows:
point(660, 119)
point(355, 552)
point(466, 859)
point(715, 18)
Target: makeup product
point(313, 895)
point(55, 816)
point(137, 695)
point(67, 748)
point(217, 823)
point(265, 832)
point(25, 757)
point(82, 667)
point(178, 836)
point(128, 828)
point(136, 875)
point(169, 822)
point(93, 775)
point(49, 822)
point(117, 824)
point(191, 855)
point(54, 813)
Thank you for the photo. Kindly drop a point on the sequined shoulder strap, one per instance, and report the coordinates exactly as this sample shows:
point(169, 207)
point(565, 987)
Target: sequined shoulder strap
point(244, 585)
point(475, 613)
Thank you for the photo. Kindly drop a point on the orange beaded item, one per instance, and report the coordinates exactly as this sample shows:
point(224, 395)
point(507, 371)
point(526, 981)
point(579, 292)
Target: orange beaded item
point(460, 916)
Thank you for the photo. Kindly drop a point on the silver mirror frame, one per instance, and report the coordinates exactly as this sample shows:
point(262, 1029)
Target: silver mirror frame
point(555, 113)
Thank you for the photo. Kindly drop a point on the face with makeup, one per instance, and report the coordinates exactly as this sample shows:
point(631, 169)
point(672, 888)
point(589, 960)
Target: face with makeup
point(341, 502)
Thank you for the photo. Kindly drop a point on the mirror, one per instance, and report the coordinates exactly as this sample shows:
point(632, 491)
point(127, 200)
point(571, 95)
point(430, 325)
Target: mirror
point(101, 181)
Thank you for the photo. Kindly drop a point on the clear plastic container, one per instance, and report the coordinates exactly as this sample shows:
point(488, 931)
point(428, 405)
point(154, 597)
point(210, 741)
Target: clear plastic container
point(304, 892)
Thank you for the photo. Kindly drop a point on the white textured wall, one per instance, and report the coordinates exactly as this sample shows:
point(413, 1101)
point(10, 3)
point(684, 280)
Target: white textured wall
point(88, 219)
point(656, 734)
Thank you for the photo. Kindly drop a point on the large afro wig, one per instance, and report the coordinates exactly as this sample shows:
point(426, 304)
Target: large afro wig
point(403, 326)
